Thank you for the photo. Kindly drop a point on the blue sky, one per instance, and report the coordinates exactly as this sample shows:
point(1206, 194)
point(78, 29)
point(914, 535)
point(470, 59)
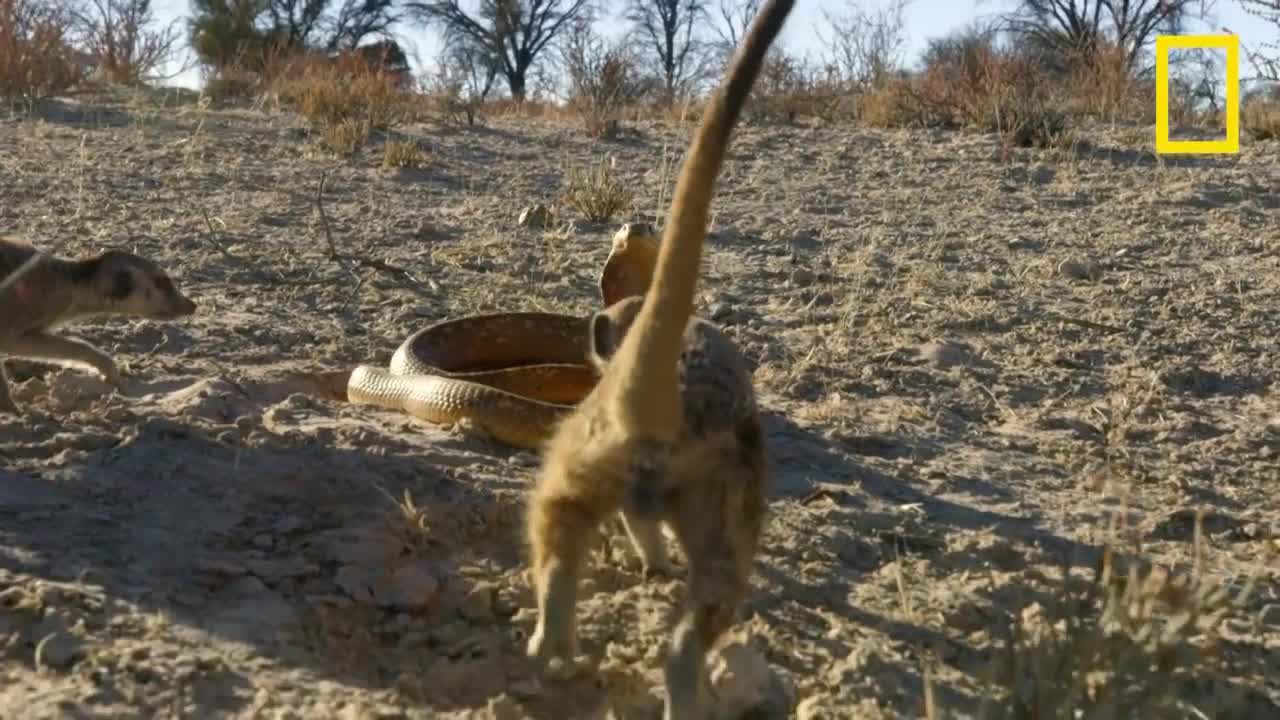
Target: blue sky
point(925, 19)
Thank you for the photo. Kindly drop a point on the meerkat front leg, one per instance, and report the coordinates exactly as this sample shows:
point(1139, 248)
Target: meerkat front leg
point(42, 344)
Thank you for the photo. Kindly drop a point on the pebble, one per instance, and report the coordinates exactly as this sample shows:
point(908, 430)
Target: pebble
point(1079, 270)
point(58, 650)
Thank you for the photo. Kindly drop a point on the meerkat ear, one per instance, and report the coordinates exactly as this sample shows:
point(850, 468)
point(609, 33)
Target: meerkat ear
point(602, 340)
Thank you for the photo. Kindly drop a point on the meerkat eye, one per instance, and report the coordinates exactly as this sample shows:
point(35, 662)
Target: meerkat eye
point(121, 284)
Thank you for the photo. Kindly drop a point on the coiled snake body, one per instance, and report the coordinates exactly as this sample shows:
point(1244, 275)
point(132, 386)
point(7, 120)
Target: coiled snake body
point(512, 375)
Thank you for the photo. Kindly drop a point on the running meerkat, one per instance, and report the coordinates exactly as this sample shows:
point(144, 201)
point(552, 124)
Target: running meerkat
point(670, 433)
point(40, 292)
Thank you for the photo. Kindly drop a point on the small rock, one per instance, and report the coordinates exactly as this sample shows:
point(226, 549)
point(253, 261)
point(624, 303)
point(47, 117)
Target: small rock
point(413, 587)
point(801, 277)
point(535, 216)
point(945, 355)
point(477, 606)
point(58, 650)
point(746, 685)
point(1079, 270)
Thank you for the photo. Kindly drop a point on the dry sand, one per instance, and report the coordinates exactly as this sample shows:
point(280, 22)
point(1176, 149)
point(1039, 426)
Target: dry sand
point(970, 364)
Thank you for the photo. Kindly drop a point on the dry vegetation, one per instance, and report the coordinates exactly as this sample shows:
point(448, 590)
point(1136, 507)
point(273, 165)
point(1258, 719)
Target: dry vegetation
point(1018, 375)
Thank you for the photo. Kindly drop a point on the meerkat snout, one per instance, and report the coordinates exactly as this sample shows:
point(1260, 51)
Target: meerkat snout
point(136, 286)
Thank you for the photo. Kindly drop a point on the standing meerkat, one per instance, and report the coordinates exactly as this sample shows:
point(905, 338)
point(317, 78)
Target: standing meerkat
point(670, 433)
point(39, 292)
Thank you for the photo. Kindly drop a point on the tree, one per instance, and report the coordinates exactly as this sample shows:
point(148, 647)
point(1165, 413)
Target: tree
point(1065, 29)
point(735, 18)
point(463, 78)
point(356, 20)
point(1266, 60)
point(225, 31)
point(666, 29)
point(866, 46)
point(123, 40)
point(514, 32)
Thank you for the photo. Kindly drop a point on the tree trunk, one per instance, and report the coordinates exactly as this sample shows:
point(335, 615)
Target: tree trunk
point(516, 81)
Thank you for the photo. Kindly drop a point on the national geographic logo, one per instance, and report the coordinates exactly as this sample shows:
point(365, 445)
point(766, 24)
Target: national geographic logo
point(1226, 146)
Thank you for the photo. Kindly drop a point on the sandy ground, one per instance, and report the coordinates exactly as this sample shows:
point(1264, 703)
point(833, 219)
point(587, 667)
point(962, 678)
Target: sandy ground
point(971, 365)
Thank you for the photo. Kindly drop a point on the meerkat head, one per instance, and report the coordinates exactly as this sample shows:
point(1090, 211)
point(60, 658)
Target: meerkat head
point(631, 262)
point(609, 326)
point(128, 284)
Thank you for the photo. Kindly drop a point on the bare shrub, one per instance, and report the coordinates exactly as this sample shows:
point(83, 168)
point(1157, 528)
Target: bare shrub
point(124, 39)
point(36, 60)
point(231, 83)
point(1129, 644)
point(865, 48)
point(971, 81)
point(332, 91)
point(596, 193)
point(603, 78)
point(787, 88)
point(895, 103)
point(462, 80)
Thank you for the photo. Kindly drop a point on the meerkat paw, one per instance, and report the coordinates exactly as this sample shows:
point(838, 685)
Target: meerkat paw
point(559, 660)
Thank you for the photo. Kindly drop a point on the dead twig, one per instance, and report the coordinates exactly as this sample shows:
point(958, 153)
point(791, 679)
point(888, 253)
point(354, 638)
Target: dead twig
point(274, 276)
point(1109, 329)
point(349, 261)
point(212, 237)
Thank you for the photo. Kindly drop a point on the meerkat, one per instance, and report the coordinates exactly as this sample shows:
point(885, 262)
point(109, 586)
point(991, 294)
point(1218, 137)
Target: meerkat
point(669, 434)
point(40, 292)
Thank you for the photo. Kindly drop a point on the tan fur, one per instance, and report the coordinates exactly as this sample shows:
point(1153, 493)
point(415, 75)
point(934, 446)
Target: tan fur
point(40, 292)
point(670, 433)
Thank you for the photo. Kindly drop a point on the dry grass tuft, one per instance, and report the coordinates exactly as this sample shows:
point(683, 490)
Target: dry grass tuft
point(1136, 644)
point(1260, 118)
point(402, 154)
point(346, 89)
point(596, 193)
point(345, 137)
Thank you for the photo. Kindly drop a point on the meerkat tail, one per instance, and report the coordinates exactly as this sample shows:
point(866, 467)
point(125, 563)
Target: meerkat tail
point(644, 369)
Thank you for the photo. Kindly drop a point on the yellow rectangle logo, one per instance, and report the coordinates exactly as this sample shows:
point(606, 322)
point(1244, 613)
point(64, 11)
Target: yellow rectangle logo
point(1231, 143)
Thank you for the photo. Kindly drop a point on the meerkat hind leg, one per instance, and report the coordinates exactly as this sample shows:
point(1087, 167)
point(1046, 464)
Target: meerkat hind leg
point(716, 586)
point(560, 530)
point(718, 521)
